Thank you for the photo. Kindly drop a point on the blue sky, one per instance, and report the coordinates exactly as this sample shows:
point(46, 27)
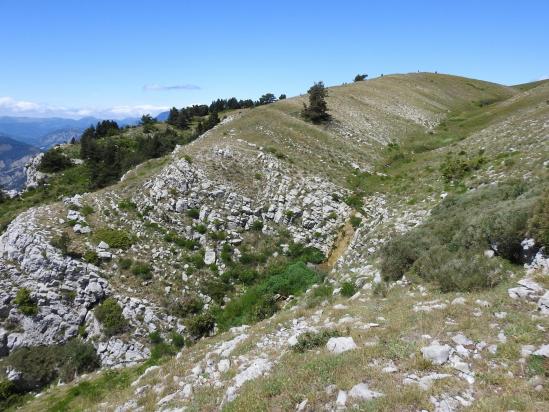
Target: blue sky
point(118, 58)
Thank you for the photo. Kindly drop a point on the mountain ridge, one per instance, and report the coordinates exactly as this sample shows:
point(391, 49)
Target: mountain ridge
point(238, 200)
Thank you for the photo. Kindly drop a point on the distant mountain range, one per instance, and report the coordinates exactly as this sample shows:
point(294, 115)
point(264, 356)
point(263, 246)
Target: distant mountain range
point(13, 157)
point(162, 117)
point(46, 132)
point(22, 137)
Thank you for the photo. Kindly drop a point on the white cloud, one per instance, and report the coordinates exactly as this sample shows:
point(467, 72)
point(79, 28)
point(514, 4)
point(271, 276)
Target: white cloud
point(13, 107)
point(157, 87)
point(546, 77)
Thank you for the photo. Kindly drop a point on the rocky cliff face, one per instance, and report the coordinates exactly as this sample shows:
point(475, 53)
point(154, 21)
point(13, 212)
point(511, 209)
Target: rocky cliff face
point(34, 177)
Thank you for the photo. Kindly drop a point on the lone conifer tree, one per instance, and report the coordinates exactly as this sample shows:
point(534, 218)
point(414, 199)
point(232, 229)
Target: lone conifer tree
point(317, 110)
point(173, 116)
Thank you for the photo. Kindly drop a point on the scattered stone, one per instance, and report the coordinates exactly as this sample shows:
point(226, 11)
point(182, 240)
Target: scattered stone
point(341, 344)
point(438, 354)
point(362, 392)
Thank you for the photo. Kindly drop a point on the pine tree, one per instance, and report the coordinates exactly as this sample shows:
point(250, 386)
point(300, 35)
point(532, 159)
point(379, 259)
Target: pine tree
point(182, 120)
point(317, 111)
point(267, 98)
point(173, 116)
point(213, 119)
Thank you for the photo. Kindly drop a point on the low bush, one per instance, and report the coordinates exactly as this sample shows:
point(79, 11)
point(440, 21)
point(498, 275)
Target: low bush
point(226, 253)
point(91, 256)
point(142, 270)
point(197, 260)
point(448, 248)
point(323, 291)
point(200, 325)
point(127, 205)
point(538, 224)
point(221, 235)
point(295, 279)
point(125, 263)
point(259, 301)
point(162, 350)
point(193, 213)
point(257, 226)
point(25, 303)
point(310, 340)
point(54, 161)
point(155, 337)
point(177, 340)
point(355, 221)
point(308, 254)
point(216, 289)
point(200, 228)
point(348, 289)
point(86, 210)
point(41, 365)
point(457, 167)
point(115, 238)
point(109, 313)
point(8, 391)
point(186, 306)
point(62, 243)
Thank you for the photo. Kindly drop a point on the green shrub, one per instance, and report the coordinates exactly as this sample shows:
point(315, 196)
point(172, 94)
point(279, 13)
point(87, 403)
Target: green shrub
point(355, 201)
point(399, 254)
point(91, 256)
point(448, 247)
point(127, 205)
point(348, 289)
point(200, 325)
point(77, 357)
point(201, 228)
point(188, 158)
point(109, 313)
point(162, 350)
point(7, 390)
point(25, 303)
point(62, 243)
point(310, 340)
point(323, 291)
point(115, 238)
point(221, 235)
point(215, 289)
point(86, 210)
point(155, 337)
point(538, 224)
point(197, 260)
point(177, 340)
point(226, 253)
point(456, 168)
point(295, 279)
point(355, 221)
point(54, 161)
point(187, 305)
point(458, 271)
point(504, 232)
point(193, 213)
point(307, 254)
point(257, 226)
point(41, 365)
point(142, 270)
point(125, 263)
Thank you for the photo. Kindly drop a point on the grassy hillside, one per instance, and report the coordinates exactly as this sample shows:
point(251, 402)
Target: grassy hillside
point(429, 166)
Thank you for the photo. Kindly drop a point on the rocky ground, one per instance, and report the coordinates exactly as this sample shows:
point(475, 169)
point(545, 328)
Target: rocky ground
point(395, 346)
